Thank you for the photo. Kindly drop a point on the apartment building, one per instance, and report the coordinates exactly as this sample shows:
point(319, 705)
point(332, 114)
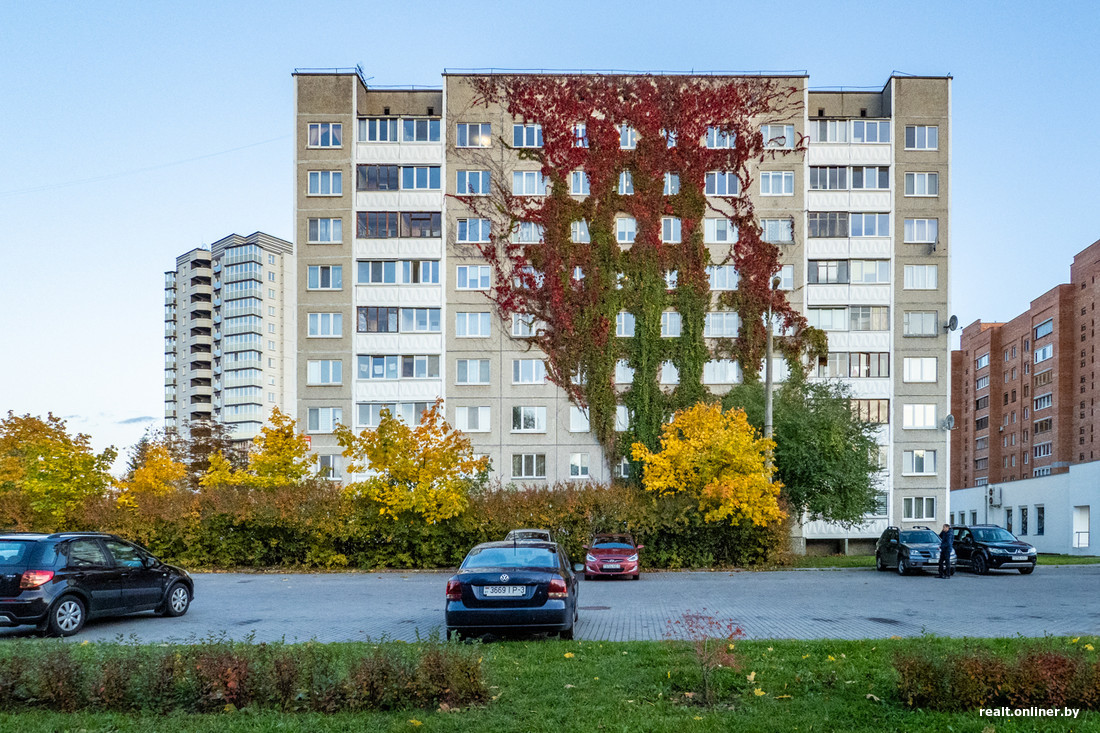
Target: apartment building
point(229, 337)
point(861, 218)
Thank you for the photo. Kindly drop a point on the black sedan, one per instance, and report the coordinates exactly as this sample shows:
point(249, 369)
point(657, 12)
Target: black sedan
point(985, 547)
point(58, 581)
point(510, 586)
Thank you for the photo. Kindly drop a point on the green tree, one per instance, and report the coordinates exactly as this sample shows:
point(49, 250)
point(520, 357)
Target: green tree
point(825, 456)
point(47, 474)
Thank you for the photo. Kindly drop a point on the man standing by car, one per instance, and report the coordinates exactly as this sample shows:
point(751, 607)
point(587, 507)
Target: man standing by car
point(947, 541)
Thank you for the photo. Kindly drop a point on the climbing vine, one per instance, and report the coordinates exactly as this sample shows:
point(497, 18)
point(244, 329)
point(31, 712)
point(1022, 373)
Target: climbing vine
point(576, 276)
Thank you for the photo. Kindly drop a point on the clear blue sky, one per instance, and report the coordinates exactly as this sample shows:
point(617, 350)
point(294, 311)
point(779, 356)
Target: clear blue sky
point(134, 131)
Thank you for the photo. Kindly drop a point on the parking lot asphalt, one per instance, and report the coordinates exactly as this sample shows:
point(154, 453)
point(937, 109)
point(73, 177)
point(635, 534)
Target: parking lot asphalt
point(805, 604)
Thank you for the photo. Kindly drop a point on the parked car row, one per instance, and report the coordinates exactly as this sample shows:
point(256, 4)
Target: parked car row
point(526, 583)
point(979, 548)
point(58, 581)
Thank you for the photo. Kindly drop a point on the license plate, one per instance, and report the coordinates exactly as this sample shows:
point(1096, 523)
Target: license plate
point(504, 591)
point(612, 567)
point(1019, 557)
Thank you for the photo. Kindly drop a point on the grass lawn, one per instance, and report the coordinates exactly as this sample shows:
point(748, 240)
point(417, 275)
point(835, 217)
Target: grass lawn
point(639, 686)
point(1068, 560)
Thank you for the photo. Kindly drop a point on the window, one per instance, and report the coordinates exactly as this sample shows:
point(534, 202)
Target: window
point(324, 371)
point(921, 277)
point(1042, 402)
point(370, 414)
point(919, 369)
point(981, 383)
point(672, 184)
point(528, 371)
point(578, 231)
point(670, 230)
point(777, 183)
point(778, 136)
point(869, 318)
point(378, 130)
point(472, 325)
point(869, 272)
point(325, 134)
point(777, 230)
point(624, 373)
point(870, 132)
point(325, 277)
point(871, 177)
point(1040, 519)
point(922, 231)
point(1044, 426)
point(872, 411)
point(527, 232)
point(670, 324)
point(918, 417)
point(526, 136)
point(981, 362)
point(420, 320)
point(922, 137)
point(473, 277)
point(377, 177)
point(622, 418)
point(828, 319)
point(528, 419)
point(920, 323)
point(922, 184)
point(472, 183)
point(916, 508)
point(1042, 450)
point(393, 272)
point(1044, 329)
point(870, 225)
point(326, 325)
point(1043, 353)
point(721, 371)
point(578, 465)
point(473, 230)
point(324, 419)
point(624, 324)
point(578, 420)
point(474, 135)
point(423, 366)
point(625, 186)
point(717, 138)
point(626, 228)
point(579, 184)
point(982, 423)
point(1044, 378)
point(918, 462)
point(722, 183)
point(721, 324)
point(580, 135)
point(472, 371)
point(326, 183)
point(827, 272)
point(827, 224)
point(786, 277)
point(524, 325)
point(828, 131)
point(872, 365)
point(628, 137)
point(723, 277)
point(622, 469)
point(983, 402)
point(828, 178)
point(1023, 519)
point(377, 224)
point(719, 231)
point(528, 183)
point(326, 231)
point(529, 465)
point(472, 419)
point(420, 130)
point(373, 319)
point(379, 367)
point(420, 178)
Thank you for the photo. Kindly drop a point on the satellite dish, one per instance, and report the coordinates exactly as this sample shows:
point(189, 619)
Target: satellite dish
point(952, 323)
point(949, 422)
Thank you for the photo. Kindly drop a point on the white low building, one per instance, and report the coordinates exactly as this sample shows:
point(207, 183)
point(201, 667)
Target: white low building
point(1051, 512)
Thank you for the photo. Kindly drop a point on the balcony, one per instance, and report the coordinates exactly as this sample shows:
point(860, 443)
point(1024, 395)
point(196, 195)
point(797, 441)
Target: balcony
point(248, 399)
point(170, 331)
point(243, 289)
point(234, 311)
point(203, 398)
point(169, 295)
point(200, 375)
point(237, 255)
point(200, 298)
point(236, 328)
point(170, 395)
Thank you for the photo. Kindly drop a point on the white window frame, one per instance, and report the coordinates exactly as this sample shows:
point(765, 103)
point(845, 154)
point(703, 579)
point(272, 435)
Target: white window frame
point(325, 230)
point(484, 134)
point(921, 231)
point(528, 183)
point(321, 128)
point(722, 183)
point(719, 230)
point(921, 277)
point(528, 371)
point(670, 373)
point(535, 413)
point(916, 416)
point(473, 231)
point(721, 324)
point(920, 369)
point(924, 137)
point(378, 129)
point(716, 139)
point(671, 324)
point(625, 186)
point(777, 183)
point(628, 137)
point(324, 372)
point(416, 185)
point(479, 368)
point(778, 137)
point(323, 419)
point(473, 324)
point(579, 184)
point(670, 229)
point(578, 420)
point(530, 136)
point(473, 183)
point(481, 422)
point(473, 277)
point(578, 466)
point(910, 322)
point(1044, 352)
point(626, 229)
point(578, 232)
point(672, 184)
point(624, 373)
point(919, 183)
point(529, 465)
point(723, 277)
point(624, 324)
point(622, 418)
point(325, 183)
point(325, 325)
point(777, 231)
point(927, 505)
point(315, 273)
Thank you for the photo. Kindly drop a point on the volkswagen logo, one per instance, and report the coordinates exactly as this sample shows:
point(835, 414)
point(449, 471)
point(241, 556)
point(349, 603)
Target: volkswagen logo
point(504, 578)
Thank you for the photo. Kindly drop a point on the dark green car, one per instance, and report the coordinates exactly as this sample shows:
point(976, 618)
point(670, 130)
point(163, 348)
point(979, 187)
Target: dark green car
point(908, 549)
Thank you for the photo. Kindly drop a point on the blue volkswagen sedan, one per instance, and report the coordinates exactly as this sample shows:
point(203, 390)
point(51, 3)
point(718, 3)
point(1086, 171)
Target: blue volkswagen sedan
point(523, 587)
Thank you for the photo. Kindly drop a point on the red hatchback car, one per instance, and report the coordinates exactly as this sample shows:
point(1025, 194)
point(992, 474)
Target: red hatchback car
point(611, 555)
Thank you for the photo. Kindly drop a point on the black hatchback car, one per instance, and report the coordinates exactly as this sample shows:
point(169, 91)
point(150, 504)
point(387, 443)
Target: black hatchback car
point(908, 549)
point(58, 581)
point(512, 586)
point(985, 547)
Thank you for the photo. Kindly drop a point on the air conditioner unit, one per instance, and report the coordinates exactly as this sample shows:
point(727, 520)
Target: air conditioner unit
point(1001, 429)
point(995, 496)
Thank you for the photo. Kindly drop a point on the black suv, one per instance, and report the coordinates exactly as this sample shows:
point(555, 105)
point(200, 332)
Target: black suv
point(57, 581)
point(985, 547)
point(908, 549)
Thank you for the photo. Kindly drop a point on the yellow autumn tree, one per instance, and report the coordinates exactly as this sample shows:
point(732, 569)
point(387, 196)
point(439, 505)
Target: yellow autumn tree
point(158, 474)
point(425, 469)
point(717, 458)
point(279, 457)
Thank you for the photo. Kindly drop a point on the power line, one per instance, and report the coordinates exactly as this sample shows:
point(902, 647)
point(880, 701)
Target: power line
point(135, 171)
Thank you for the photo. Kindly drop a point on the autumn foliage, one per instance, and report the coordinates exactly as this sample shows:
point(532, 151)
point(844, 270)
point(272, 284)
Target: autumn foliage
point(715, 458)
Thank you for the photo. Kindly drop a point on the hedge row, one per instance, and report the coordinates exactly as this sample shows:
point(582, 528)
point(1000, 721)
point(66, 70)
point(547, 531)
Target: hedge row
point(318, 525)
point(223, 676)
